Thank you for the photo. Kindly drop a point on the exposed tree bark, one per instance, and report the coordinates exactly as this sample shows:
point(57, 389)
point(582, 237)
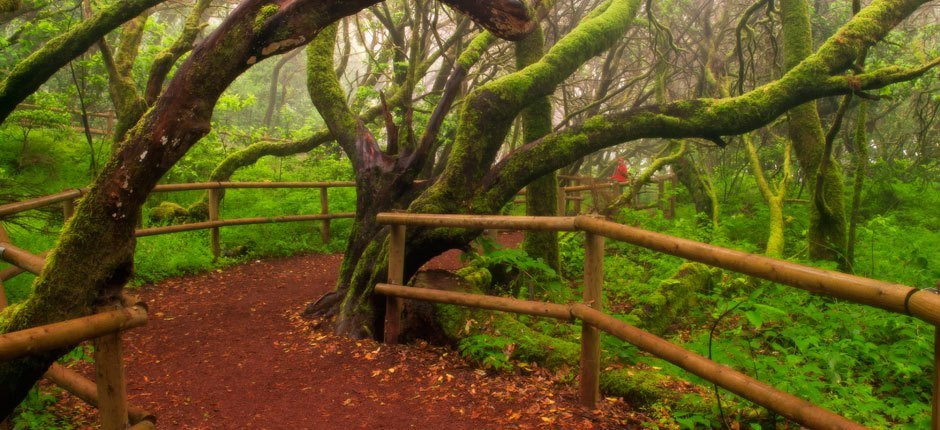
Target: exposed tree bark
point(487, 115)
point(470, 183)
point(36, 69)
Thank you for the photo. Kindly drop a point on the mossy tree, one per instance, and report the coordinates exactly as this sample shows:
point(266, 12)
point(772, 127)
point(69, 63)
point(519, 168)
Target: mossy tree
point(31, 73)
point(827, 225)
point(473, 181)
point(541, 194)
point(93, 259)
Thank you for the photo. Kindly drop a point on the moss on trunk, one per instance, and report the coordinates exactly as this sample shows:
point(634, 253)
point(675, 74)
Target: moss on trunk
point(542, 195)
point(827, 229)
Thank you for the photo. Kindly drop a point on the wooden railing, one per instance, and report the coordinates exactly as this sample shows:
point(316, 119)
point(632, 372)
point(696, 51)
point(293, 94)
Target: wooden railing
point(67, 200)
point(922, 304)
point(108, 394)
point(575, 194)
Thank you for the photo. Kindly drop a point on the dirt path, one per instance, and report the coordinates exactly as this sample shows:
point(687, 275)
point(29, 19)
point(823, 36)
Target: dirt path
point(226, 350)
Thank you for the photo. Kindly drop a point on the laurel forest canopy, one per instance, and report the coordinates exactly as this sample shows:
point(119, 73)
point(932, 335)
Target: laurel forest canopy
point(801, 130)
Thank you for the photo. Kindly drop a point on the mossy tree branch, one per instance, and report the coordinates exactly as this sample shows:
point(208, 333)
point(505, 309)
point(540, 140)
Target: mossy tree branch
point(826, 233)
point(670, 154)
point(165, 60)
point(488, 111)
point(28, 75)
point(818, 75)
point(252, 153)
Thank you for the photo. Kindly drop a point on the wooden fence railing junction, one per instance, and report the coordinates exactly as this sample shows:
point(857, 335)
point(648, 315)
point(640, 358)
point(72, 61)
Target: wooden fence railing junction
point(921, 304)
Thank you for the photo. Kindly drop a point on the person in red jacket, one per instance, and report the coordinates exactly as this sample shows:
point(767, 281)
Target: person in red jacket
point(621, 173)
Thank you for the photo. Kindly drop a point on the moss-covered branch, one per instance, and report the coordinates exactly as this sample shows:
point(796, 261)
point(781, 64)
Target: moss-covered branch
point(94, 256)
point(826, 233)
point(165, 60)
point(36, 69)
point(252, 153)
point(488, 111)
point(815, 77)
point(129, 106)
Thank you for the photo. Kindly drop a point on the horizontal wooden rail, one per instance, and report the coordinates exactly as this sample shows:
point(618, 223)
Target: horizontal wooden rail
point(67, 333)
point(479, 221)
point(72, 194)
point(233, 185)
point(922, 304)
point(240, 221)
point(86, 390)
point(788, 405)
point(481, 301)
point(12, 208)
point(21, 258)
point(885, 295)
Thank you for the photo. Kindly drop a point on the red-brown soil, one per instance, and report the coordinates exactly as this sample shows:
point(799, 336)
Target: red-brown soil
point(227, 350)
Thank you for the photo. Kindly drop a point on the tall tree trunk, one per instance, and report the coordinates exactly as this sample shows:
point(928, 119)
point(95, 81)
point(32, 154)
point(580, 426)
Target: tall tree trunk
point(773, 195)
point(542, 194)
point(695, 179)
point(272, 91)
point(860, 147)
point(827, 229)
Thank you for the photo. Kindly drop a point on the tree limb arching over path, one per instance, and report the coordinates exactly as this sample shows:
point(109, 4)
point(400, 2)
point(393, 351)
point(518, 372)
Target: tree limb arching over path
point(94, 257)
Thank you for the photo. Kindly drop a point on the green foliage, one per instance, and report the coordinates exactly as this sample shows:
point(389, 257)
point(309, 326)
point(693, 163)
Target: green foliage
point(33, 413)
point(490, 351)
point(513, 271)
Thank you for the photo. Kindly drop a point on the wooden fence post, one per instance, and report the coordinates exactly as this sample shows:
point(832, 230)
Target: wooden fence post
point(214, 195)
point(109, 376)
point(577, 203)
point(396, 273)
point(562, 199)
point(590, 336)
point(68, 209)
point(325, 209)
